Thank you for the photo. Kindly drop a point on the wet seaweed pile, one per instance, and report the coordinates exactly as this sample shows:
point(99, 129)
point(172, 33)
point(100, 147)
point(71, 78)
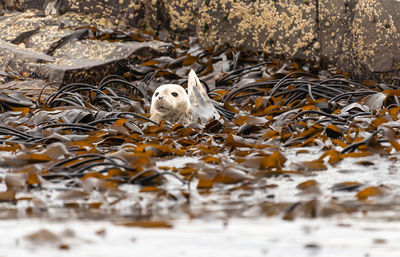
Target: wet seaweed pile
point(92, 150)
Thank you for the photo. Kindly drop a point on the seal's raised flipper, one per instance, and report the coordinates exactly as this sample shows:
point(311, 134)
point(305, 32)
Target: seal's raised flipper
point(201, 104)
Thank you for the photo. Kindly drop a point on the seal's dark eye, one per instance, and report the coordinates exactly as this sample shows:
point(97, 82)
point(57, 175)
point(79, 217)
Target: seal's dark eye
point(157, 94)
point(174, 94)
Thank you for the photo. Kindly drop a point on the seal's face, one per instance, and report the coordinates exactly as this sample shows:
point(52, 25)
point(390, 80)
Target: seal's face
point(168, 101)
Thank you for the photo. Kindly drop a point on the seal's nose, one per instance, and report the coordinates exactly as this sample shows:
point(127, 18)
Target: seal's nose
point(160, 97)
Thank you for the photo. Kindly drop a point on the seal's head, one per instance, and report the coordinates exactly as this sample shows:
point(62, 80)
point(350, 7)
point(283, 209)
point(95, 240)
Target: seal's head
point(170, 102)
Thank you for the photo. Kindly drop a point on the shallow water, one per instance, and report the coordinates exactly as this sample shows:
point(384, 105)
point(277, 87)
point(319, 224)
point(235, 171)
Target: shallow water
point(340, 236)
point(227, 223)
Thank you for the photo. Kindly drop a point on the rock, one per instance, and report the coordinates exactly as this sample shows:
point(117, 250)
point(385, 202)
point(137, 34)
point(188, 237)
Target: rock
point(281, 28)
point(360, 37)
point(89, 61)
point(25, 61)
point(66, 55)
point(366, 40)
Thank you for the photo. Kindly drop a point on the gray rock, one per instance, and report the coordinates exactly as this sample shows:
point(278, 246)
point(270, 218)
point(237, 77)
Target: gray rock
point(39, 47)
point(362, 37)
point(24, 60)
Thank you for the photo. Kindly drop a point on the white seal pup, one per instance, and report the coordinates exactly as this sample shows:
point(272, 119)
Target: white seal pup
point(170, 102)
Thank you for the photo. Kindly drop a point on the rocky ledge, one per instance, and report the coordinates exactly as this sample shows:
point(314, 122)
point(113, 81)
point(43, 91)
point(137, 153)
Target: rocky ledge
point(360, 37)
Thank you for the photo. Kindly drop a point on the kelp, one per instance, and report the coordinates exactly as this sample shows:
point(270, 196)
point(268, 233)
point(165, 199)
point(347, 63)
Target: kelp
point(81, 139)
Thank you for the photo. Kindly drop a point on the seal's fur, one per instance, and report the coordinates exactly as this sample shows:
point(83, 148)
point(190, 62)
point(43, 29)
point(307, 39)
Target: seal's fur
point(170, 102)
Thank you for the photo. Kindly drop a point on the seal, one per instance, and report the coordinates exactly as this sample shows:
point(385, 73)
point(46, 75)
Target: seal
point(170, 102)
